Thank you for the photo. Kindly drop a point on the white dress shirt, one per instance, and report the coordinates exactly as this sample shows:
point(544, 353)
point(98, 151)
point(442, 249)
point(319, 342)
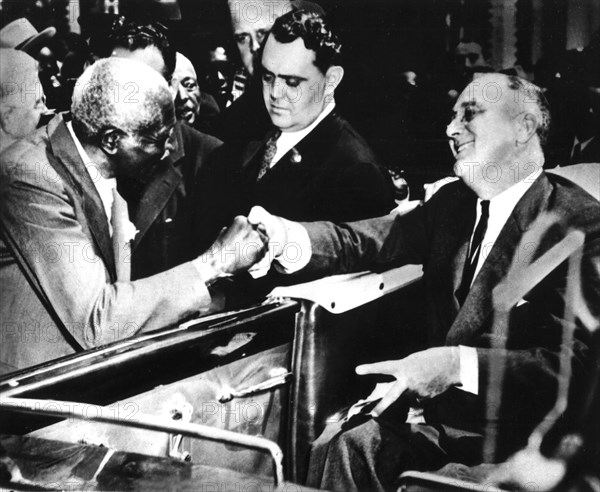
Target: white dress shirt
point(288, 140)
point(104, 186)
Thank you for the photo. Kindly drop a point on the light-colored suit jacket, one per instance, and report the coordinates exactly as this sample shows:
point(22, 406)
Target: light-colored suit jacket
point(57, 267)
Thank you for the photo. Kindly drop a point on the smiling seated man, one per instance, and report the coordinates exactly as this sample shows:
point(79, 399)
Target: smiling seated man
point(311, 165)
point(65, 233)
point(433, 409)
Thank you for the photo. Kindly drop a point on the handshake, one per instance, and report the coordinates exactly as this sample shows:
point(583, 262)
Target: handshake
point(248, 244)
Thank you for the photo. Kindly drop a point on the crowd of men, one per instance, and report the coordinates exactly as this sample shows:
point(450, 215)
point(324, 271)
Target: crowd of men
point(118, 217)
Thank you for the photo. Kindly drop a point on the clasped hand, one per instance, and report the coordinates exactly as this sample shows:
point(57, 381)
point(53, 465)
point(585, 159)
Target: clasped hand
point(422, 375)
point(237, 248)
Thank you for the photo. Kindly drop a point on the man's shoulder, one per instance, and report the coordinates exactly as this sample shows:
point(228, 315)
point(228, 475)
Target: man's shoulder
point(25, 155)
point(572, 201)
point(344, 139)
point(194, 140)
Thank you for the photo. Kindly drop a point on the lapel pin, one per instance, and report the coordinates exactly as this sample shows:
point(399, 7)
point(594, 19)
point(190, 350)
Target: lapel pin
point(295, 158)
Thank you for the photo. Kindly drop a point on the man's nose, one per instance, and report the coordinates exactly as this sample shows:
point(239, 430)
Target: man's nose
point(254, 43)
point(453, 127)
point(277, 90)
point(182, 93)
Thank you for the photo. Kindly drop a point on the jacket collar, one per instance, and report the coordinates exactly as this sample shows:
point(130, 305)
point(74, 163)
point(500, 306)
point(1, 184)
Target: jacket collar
point(69, 165)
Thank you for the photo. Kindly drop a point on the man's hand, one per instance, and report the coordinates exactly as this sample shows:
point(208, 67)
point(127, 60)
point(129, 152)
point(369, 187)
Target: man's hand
point(235, 250)
point(273, 226)
point(424, 374)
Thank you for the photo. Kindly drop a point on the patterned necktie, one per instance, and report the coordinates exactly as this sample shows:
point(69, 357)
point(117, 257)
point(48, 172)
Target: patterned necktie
point(474, 253)
point(269, 153)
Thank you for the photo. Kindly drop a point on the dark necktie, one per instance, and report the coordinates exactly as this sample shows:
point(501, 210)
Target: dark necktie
point(474, 252)
point(268, 154)
point(576, 153)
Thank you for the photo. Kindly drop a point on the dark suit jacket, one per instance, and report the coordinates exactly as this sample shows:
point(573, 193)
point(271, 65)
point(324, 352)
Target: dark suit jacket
point(57, 269)
point(436, 235)
point(330, 175)
point(163, 209)
point(591, 152)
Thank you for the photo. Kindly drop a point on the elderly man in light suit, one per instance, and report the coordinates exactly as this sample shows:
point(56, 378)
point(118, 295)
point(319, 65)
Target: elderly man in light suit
point(466, 236)
point(65, 230)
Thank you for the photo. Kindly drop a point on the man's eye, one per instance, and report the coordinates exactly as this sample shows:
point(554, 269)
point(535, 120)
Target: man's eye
point(191, 85)
point(470, 113)
point(242, 38)
point(261, 34)
point(267, 77)
point(292, 82)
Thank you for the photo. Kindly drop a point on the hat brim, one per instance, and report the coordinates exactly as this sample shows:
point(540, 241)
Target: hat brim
point(34, 44)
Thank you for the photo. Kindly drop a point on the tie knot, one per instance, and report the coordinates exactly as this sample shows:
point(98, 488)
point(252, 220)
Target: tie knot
point(485, 208)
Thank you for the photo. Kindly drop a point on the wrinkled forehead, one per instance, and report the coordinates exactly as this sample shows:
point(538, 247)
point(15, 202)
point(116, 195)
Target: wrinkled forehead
point(184, 70)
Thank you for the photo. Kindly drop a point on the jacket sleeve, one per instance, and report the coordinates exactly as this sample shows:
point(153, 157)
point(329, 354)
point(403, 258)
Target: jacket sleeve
point(373, 244)
point(41, 218)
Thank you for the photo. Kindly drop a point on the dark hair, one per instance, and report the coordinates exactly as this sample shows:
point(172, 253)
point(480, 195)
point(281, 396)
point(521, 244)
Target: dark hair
point(531, 93)
point(135, 35)
point(315, 33)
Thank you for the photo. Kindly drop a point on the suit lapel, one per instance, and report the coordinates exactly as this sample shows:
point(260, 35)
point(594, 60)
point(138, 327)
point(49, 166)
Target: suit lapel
point(69, 164)
point(310, 151)
point(159, 190)
point(478, 305)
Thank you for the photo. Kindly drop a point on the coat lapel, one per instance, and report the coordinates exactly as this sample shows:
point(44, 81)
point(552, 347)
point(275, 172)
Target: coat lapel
point(159, 190)
point(478, 305)
point(70, 165)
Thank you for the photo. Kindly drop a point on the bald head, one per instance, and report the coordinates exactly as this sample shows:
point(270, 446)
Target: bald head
point(21, 93)
point(251, 21)
point(122, 94)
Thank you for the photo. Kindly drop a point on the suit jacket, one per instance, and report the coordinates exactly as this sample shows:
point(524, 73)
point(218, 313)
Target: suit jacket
point(59, 291)
point(331, 174)
point(591, 152)
point(437, 235)
point(163, 209)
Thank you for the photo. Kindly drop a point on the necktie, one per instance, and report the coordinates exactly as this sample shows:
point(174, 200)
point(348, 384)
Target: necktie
point(121, 237)
point(269, 153)
point(474, 252)
point(576, 153)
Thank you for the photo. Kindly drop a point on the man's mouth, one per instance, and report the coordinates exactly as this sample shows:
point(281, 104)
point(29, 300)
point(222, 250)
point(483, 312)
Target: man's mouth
point(458, 148)
point(278, 109)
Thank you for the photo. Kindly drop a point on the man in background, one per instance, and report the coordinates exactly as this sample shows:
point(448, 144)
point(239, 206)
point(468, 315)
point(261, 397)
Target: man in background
point(21, 96)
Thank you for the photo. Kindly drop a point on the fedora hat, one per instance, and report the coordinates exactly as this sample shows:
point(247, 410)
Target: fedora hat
point(21, 35)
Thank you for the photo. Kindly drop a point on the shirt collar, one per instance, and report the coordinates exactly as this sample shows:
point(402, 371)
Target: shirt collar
point(504, 203)
point(287, 140)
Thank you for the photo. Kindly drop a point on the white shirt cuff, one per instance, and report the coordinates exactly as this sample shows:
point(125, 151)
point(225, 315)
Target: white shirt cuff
point(469, 370)
point(297, 251)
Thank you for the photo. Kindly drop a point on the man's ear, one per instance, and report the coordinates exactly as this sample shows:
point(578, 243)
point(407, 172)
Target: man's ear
point(528, 125)
point(109, 140)
point(333, 77)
